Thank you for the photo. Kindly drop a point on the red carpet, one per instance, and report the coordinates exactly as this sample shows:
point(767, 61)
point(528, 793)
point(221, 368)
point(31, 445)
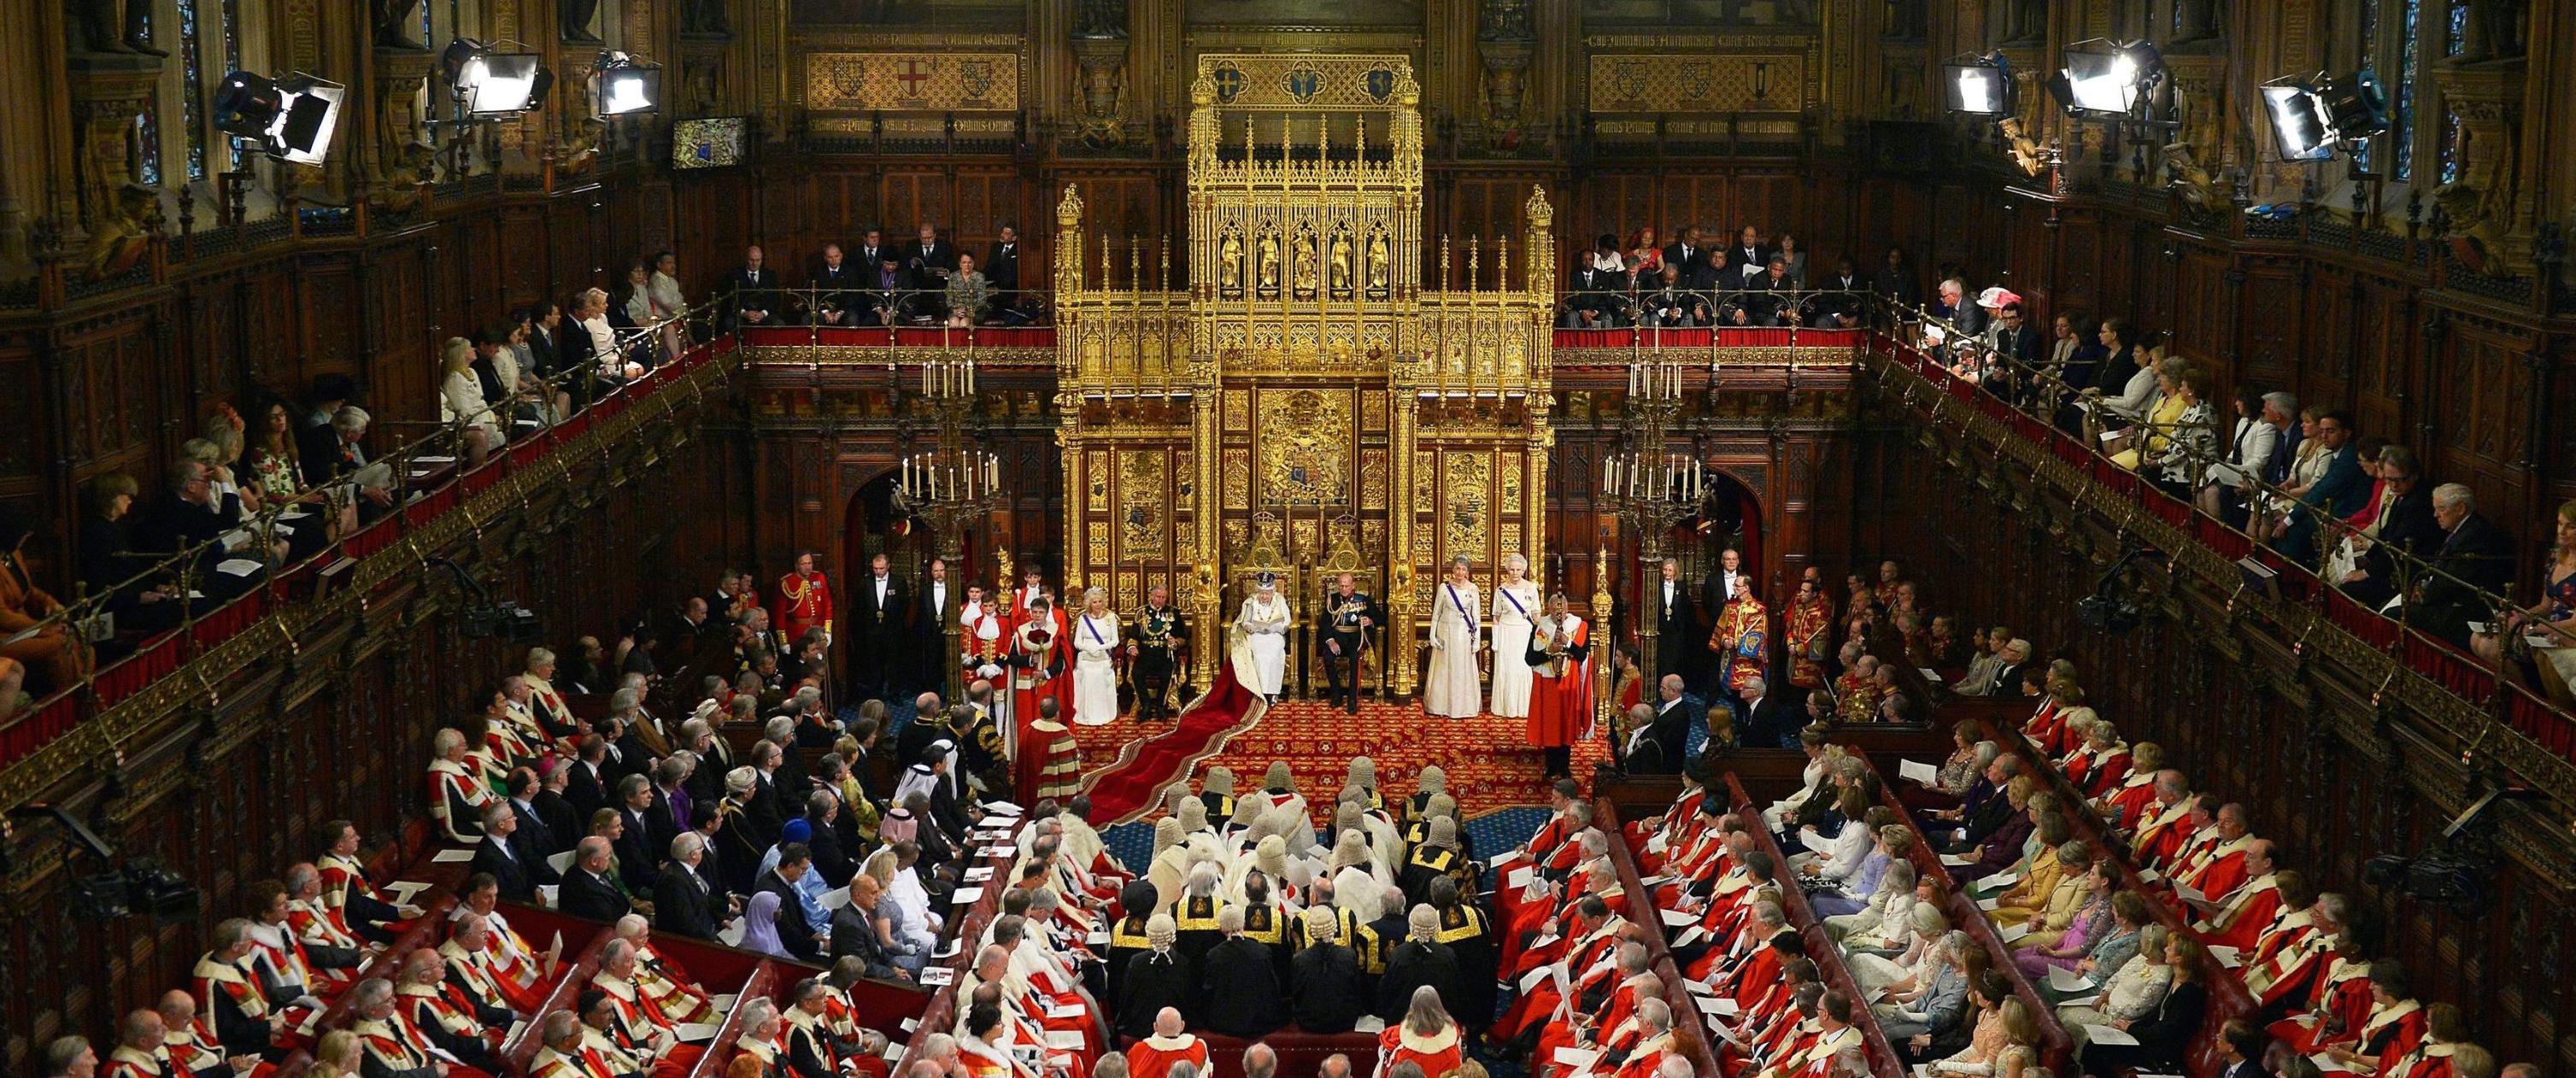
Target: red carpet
point(1127, 765)
point(1487, 759)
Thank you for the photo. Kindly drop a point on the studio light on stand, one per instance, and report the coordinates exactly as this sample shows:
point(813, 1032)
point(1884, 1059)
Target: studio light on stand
point(621, 85)
point(1979, 86)
point(2313, 116)
point(487, 82)
point(2107, 80)
point(290, 119)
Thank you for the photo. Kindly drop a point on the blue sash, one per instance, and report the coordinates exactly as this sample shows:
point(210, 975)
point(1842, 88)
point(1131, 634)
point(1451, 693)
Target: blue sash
point(1517, 608)
point(1461, 604)
point(1094, 627)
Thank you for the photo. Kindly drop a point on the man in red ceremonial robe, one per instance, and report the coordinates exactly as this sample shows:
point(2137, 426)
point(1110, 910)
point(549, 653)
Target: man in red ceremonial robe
point(138, 1051)
point(1153, 1057)
point(1049, 762)
point(804, 602)
point(192, 1047)
point(2243, 913)
point(2217, 873)
point(1810, 632)
point(390, 1039)
point(1560, 709)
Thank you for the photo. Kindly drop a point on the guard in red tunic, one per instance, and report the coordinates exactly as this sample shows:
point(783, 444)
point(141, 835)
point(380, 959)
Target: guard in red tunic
point(804, 602)
point(1561, 685)
point(1041, 663)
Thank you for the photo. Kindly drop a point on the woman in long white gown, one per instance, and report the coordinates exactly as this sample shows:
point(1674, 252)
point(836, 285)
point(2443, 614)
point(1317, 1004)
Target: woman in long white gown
point(1264, 624)
point(1516, 604)
point(1095, 676)
point(1451, 690)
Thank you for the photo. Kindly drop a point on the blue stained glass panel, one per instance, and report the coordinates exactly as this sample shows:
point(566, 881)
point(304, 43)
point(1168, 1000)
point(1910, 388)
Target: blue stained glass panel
point(147, 130)
point(192, 89)
point(2401, 118)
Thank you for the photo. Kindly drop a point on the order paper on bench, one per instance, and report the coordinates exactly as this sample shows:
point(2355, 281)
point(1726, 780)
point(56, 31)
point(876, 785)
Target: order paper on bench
point(965, 896)
point(1700, 988)
point(1957, 860)
point(1577, 1058)
point(561, 862)
point(1001, 808)
point(1920, 772)
point(402, 890)
point(2108, 1035)
point(2067, 980)
point(1518, 877)
point(723, 1002)
point(1064, 1010)
point(938, 975)
point(1989, 904)
point(451, 857)
point(2001, 880)
point(978, 874)
point(694, 1032)
point(237, 567)
point(1677, 918)
point(2229, 957)
point(1067, 1039)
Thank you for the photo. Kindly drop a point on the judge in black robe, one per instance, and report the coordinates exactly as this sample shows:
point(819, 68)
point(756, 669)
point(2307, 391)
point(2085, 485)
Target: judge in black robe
point(1240, 984)
point(1324, 989)
point(1161, 977)
point(1418, 961)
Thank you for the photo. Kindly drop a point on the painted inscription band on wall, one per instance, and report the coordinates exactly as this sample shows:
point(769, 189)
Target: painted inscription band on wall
point(912, 81)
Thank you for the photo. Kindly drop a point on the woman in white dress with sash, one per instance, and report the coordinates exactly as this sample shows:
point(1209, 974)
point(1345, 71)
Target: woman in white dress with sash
point(1264, 624)
point(1095, 676)
point(1516, 603)
point(1451, 690)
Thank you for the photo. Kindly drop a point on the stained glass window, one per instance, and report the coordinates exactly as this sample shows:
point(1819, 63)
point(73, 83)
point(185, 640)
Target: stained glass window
point(147, 131)
point(232, 60)
point(192, 89)
point(2450, 148)
point(2401, 118)
point(2364, 154)
point(2459, 28)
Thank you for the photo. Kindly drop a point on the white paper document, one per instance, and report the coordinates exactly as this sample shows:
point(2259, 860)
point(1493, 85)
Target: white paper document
point(1700, 988)
point(938, 975)
point(2109, 1035)
point(965, 896)
point(1507, 857)
point(2014, 932)
point(402, 890)
point(998, 851)
point(835, 898)
point(2001, 879)
point(1957, 860)
point(1001, 808)
point(695, 1032)
point(1577, 1058)
point(723, 1001)
point(1518, 877)
point(2067, 980)
point(237, 567)
point(1531, 979)
point(1917, 770)
point(561, 862)
point(731, 935)
point(546, 893)
point(1676, 918)
point(2229, 957)
point(909, 1024)
point(1989, 904)
point(452, 857)
point(978, 874)
point(1068, 1039)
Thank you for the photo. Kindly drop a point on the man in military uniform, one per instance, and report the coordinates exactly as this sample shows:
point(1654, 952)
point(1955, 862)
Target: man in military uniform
point(1161, 640)
point(1348, 617)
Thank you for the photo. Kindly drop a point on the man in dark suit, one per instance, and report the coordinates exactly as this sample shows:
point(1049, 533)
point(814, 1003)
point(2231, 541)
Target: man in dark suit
point(563, 822)
point(1324, 979)
point(2015, 655)
point(1687, 254)
point(1842, 302)
point(512, 860)
point(2339, 492)
point(545, 338)
point(1597, 298)
point(750, 290)
point(1002, 263)
point(1667, 730)
point(854, 932)
point(1679, 629)
point(638, 840)
point(832, 282)
point(1746, 260)
point(1768, 722)
point(1764, 300)
point(531, 827)
point(876, 620)
point(794, 931)
point(930, 261)
point(689, 902)
point(932, 611)
point(587, 890)
point(587, 783)
point(2405, 524)
point(873, 250)
point(2015, 345)
point(2475, 558)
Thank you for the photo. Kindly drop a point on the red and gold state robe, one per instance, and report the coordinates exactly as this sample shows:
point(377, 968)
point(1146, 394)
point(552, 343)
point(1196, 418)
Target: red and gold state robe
point(1742, 641)
point(1810, 635)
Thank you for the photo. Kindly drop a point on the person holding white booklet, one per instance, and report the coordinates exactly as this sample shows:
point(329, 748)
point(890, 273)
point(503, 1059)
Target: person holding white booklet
point(2129, 994)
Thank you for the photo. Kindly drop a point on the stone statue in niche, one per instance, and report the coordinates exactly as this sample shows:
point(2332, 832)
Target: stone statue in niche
point(1379, 272)
point(1301, 264)
point(116, 26)
point(574, 18)
point(1268, 274)
point(1341, 264)
point(393, 20)
point(704, 17)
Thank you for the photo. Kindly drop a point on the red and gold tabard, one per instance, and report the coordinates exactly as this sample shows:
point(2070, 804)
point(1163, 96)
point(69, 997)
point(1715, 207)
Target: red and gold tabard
point(804, 602)
point(1742, 642)
point(1810, 632)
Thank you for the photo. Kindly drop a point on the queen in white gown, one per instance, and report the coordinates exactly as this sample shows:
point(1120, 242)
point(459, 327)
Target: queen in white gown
point(1450, 689)
point(1516, 601)
point(1095, 674)
point(1264, 623)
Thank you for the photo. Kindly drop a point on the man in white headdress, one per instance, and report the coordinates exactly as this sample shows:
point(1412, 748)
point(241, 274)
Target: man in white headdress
point(1516, 606)
point(1264, 624)
point(1450, 690)
point(1095, 669)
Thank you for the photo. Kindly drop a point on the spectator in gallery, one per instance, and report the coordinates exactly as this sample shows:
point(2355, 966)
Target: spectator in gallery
point(1002, 262)
point(929, 260)
point(751, 289)
point(830, 283)
point(668, 302)
point(1789, 250)
point(1689, 254)
point(1670, 305)
point(2474, 560)
point(969, 293)
point(1747, 259)
point(1897, 280)
point(1646, 260)
point(1596, 300)
point(1841, 304)
point(460, 400)
point(2553, 618)
point(890, 293)
point(1764, 300)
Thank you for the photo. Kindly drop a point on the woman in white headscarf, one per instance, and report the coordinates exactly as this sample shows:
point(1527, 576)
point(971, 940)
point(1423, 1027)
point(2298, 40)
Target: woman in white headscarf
point(1451, 688)
point(1263, 623)
point(1516, 605)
